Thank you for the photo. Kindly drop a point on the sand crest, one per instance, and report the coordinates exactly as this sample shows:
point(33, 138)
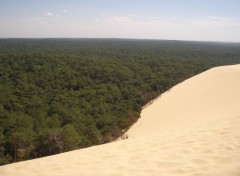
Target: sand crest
point(191, 130)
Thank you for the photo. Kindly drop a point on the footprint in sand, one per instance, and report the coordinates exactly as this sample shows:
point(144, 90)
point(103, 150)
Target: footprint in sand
point(165, 164)
point(185, 151)
point(223, 160)
point(199, 161)
point(208, 151)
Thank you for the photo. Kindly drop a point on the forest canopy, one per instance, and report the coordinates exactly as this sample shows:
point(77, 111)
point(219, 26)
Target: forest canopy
point(58, 95)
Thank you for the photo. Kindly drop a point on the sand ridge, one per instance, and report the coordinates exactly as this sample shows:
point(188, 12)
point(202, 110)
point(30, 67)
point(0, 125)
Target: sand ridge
point(198, 136)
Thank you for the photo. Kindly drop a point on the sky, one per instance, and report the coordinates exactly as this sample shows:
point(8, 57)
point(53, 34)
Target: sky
point(198, 20)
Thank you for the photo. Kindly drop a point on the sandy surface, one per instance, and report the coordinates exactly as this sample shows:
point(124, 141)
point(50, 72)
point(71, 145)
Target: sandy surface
point(192, 130)
point(209, 96)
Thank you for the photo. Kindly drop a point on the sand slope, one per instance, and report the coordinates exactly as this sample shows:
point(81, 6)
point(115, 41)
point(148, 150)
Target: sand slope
point(192, 130)
point(209, 96)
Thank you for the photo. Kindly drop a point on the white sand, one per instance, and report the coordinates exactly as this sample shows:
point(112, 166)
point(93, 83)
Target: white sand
point(192, 130)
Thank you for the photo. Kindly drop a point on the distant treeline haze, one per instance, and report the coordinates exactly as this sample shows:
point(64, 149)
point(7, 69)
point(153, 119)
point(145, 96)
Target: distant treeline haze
point(58, 95)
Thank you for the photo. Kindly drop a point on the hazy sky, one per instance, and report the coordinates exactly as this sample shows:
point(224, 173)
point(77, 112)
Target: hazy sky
point(205, 20)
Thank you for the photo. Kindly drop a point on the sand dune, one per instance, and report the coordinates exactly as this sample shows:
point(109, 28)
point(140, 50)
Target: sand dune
point(209, 96)
point(191, 130)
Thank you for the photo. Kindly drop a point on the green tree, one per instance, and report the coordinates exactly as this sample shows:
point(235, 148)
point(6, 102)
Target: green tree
point(71, 139)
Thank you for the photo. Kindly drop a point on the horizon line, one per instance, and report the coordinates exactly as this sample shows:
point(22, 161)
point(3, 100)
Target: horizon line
point(119, 38)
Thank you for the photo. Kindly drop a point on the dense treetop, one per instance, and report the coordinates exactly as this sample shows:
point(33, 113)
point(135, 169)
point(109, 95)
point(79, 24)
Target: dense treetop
point(58, 95)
